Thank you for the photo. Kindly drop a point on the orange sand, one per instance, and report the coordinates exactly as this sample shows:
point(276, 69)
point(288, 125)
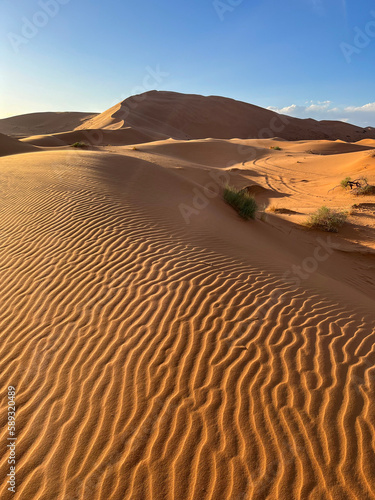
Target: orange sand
point(159, 359)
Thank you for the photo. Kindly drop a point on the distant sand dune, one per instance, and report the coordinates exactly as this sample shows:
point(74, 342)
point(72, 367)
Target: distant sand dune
point(367, 142)
point(159, 360)
point(332, 147)
point(42, 123)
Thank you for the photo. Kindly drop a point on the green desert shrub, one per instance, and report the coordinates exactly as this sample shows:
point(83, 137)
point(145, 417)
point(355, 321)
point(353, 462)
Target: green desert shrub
point(358, 187)
point(241, 201)
point(79, 145)
point(345, 182)
point(327, 219)
point(277, 148)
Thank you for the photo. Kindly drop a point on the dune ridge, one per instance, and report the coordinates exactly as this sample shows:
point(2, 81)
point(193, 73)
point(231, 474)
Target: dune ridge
point(94, 137)
point(188, 116)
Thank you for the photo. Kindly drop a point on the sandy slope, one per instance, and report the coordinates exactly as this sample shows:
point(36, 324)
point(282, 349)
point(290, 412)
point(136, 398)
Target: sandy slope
point(93, 137)
point(42, 123)
point(11, 146)
point(159, 359)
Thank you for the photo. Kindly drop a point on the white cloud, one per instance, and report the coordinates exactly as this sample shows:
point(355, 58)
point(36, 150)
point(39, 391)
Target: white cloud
point(367, 108)
point(324, 110)
point(319, 106)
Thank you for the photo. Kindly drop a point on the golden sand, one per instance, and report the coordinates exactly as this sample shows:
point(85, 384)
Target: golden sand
point(161, 356)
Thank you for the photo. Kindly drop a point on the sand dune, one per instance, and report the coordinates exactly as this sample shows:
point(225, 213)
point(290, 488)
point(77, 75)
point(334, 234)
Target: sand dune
point(209, 152)
point(162, 347)
point(367, 142)
point(92, 137)
point(42, 123)
point(183, 116)
point(331, 147)
point(10, 146)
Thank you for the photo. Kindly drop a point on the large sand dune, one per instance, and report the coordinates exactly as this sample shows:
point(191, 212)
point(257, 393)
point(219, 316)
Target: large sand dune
point(184, 116)
point(162, 347)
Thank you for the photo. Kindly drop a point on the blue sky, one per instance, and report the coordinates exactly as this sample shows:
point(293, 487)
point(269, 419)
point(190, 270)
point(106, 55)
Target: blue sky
point(87, 55)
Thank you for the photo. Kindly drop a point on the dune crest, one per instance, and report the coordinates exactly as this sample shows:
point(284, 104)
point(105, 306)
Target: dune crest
point(185, 116)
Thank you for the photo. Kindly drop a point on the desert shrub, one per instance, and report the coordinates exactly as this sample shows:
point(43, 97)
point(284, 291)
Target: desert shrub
point(364, 190)
point(358, 187)
point(79, 145)
point(345, 182)
point(277, 148)
point(241, 201)
point(327, 219)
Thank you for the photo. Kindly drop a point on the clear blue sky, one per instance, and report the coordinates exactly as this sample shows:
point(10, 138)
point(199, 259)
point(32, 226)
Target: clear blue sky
point(94, 53)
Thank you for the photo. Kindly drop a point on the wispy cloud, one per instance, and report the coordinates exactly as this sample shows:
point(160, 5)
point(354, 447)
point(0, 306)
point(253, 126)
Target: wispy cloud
point(325, 110)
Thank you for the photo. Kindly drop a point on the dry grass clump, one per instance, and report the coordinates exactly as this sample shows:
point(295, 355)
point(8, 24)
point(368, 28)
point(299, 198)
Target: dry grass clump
point(327, 219)
point(241, 201)
point(367, 189)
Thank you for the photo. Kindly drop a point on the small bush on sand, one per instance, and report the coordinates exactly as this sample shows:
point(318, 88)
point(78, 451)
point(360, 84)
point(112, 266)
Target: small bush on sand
point(364, 189)
point(79, 145)
point(276, 148)
point(327, 219)
point(358, 187)
point(243, 202)
point(345, 182)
